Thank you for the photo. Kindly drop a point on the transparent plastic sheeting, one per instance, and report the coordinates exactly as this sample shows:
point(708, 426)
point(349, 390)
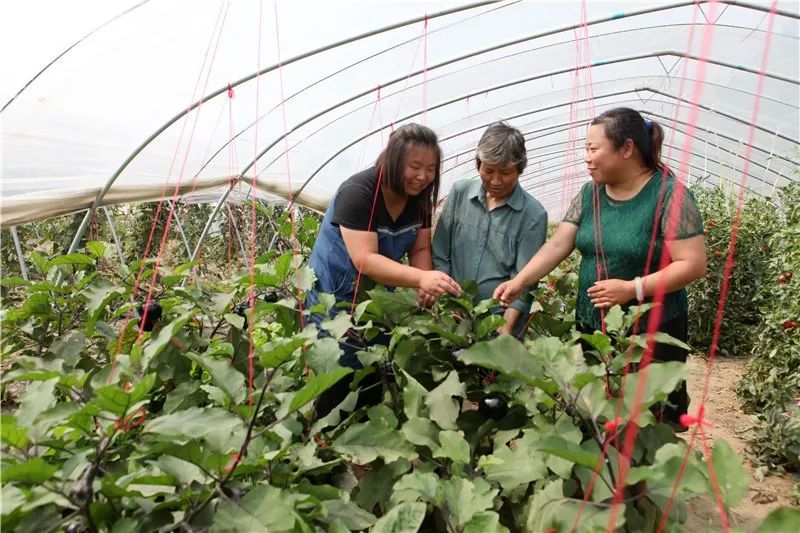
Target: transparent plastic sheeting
point(137, 65)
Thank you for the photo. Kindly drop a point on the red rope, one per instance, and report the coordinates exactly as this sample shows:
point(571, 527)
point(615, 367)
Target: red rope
point(729, 266)
point(295, 242)
point(251, 295)
point(655, 314)
point(425, 73)
point(154, 224)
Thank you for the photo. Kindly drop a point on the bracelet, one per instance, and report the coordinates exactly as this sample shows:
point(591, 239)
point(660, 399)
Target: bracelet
point(639, 284)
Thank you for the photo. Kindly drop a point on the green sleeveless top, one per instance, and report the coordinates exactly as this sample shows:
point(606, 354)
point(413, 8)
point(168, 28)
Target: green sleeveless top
point(626, 228)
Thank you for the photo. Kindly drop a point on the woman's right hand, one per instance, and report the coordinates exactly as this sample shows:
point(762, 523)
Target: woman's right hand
point(508, 291)
point(438, 283)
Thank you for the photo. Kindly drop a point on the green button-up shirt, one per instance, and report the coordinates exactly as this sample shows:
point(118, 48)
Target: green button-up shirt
point(472, 243)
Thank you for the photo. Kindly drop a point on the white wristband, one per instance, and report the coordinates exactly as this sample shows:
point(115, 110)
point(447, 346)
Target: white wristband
point(637, 282)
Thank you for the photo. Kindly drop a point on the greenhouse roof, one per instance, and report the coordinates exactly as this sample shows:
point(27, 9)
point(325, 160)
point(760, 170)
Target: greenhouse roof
point(155, 99)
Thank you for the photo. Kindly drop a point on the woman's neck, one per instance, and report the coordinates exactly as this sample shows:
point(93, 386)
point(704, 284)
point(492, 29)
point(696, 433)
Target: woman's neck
point(629, 187)
point(394, 202)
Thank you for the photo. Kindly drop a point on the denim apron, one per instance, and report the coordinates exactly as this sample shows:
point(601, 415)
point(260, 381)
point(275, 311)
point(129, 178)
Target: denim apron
point(336, 273)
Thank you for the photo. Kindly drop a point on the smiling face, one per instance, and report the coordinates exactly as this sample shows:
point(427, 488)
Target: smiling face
point(605, 163)
point(498, 180)
point(419, 169)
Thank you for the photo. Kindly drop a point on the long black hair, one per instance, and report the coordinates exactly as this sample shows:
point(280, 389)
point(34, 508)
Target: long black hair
point(622, 123)
point(392, 161)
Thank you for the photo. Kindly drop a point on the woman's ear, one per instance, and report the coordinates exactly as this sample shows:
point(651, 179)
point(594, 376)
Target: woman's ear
point(628, 148)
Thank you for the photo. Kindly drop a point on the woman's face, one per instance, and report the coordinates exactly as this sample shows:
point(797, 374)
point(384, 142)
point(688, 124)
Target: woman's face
point(604, 162)
point(499, 180)
point(420, 169)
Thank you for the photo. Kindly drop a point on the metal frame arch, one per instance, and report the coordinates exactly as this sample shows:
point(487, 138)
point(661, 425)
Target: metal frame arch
point(82, 228)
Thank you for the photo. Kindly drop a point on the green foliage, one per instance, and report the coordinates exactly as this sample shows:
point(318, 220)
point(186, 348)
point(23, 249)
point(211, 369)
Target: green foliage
point(124, 430)
point(758, 222)
point(770, 385)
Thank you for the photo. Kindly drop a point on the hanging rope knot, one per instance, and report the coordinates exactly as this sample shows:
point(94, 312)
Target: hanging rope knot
point(231, 94)
point(612, 425)
point(127, 423)
point(322, 443)
point(688, 420)
point(235, 458)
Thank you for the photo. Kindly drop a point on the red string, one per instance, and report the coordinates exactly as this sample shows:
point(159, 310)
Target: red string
point(295, 243)
point(679, 100)
point(251, 295)
point(131, 421)
point(655, 314)
point(729, 267)
point(154, 224)
point(425, 73)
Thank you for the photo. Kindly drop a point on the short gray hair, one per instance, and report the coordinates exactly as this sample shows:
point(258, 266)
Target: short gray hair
point(502, 144)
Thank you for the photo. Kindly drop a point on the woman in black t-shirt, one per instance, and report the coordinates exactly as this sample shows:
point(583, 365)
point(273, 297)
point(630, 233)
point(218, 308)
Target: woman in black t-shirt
point(376, 218)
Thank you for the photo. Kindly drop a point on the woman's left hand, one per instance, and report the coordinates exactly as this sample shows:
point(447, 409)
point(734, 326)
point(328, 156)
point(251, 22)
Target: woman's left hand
point(609, 292)
point(425, 299)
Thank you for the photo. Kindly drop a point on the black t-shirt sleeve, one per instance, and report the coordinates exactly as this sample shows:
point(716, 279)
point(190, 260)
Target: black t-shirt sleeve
point(353, 205)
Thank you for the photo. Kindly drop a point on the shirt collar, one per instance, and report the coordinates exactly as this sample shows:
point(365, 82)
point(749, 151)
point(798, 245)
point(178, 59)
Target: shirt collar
point(515, 201)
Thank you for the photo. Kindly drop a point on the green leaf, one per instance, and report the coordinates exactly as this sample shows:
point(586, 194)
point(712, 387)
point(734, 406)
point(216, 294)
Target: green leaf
point(733, 482)
point(263, 509)
point(598, 341)
point(11, 434)
point(316, 386)
point(376, 486)
point(39, 396)
point(513, 467)
point(113, 399)
point(183, 471)
point(223, 431)
point(32, 471)
point(659, 380)
point(274, 353)
point(167, 333)
point(783, 520)
point(453, 446)
point(72, 259)
point(550, 509)
point(414, 397)
point(614, 319)
point(351, 515)
point(403, 518)
point(487, 325)
point(507, 355)
point(418, 485)
point(465, 498)
point(383, 414)
point(69, 347)
point(304, 278)
point(485, 522)
point(442, 407)
point(234, 320)
point(224, 375)
point(96, 248)
point(661, 338)
point(364, 443)
point(339, 325)
point(570, 451)
point(421, 432)
point(323, 355)
point(11, 498)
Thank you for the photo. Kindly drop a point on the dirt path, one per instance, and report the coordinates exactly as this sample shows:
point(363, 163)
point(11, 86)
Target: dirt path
point(723, 411)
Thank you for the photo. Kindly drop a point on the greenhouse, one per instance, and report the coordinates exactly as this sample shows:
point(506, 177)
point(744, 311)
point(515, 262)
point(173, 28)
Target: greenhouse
point(489, 266)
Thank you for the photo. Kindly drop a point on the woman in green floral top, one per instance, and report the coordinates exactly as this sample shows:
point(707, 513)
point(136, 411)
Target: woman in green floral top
point(634, 193)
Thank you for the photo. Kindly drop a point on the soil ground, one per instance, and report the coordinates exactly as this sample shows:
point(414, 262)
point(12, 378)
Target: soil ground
point(723, 411)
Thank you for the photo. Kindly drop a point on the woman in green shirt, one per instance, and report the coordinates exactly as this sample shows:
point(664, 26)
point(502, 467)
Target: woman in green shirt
point(620, 222)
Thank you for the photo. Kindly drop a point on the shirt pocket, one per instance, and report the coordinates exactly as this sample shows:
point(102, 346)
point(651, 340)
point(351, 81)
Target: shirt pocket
point(501, 250)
